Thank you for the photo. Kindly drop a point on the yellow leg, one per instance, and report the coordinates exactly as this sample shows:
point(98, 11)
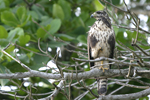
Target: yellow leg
point(100, 48)
point(101, 67)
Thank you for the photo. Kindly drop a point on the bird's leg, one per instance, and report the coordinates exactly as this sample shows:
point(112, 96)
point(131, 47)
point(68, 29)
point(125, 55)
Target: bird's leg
point(101, 67)
point(100, 48)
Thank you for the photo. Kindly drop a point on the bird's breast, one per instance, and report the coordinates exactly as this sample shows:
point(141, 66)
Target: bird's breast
point(99, 34)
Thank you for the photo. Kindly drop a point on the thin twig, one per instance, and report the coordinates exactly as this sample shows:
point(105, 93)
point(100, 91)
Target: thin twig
point(133, 86)
point(84, 85)
point(140, 49)
point(132, 52)
point(107, 59)
point(23, 65)
point(29, 50)
point(7, 46)
point(119, 88)
point(137, 26)
point(42, 50)
point(135, 79)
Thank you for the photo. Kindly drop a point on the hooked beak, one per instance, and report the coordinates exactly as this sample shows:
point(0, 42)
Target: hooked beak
point(93, 15)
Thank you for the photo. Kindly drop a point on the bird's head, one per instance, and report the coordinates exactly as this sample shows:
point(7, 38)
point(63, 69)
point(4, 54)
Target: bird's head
point(99, 14)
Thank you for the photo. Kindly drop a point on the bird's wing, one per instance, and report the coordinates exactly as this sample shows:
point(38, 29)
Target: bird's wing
point(111, 42)
point(89, 51)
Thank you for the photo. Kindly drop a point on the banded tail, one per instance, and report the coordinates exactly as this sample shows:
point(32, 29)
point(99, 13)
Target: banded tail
point(101, 86)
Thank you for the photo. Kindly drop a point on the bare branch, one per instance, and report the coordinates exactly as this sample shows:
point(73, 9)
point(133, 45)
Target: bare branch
point(119, 88)
point(133, 86)
point(13, 95)
point(56, 91)
point(83, 75)
point(23, 65)
point(126, 96)
point(107, 59)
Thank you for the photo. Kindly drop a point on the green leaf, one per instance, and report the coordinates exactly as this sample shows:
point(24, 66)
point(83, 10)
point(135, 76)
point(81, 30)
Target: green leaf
point(41, 33)
point(131, 35)
point(55, 25)
point(98, 5)
point(3, 32)
point(38, 61)
point(33, 14)
point(65, 37)
point(120, 37)
point(78, 31)
point(9, 18)
point(2, 4)
point(13, 33)
point(32, 49)
point(30, 54)
point(4, 42)
point(116, 29)
point(82, 39)
point(114, 2)
point(89, 22)
point(22, 15)
point(84, 15)
point(144, 98)
point(24, 59)
point(10, 48)
point(66, 8)
point(23, 39)
point(3, 70)
point(13, 66)
point(46, 20)
point(54, 44)
point(58, 12)
point(7, 3)
point(45, 81)
point(78, 22)
point(40, 12)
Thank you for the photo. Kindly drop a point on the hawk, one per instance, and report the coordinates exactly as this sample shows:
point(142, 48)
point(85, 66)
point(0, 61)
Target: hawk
point(101, 43)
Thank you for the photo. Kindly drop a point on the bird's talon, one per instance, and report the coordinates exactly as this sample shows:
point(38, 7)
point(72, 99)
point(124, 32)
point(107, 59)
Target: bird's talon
point(101, 67)
point(100, 48)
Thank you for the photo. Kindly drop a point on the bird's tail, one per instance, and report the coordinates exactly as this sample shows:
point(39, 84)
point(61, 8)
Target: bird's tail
point(101, 86)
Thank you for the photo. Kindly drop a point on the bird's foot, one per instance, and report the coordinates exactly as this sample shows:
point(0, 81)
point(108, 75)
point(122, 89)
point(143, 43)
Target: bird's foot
point(100, 48)
point(101, 67)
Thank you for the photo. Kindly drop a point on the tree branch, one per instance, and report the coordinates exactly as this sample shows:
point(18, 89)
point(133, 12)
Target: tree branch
point(82, 75)
point(126, 96)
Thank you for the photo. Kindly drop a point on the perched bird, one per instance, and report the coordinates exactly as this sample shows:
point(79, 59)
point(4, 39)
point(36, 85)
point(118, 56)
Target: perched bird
point(101, 43)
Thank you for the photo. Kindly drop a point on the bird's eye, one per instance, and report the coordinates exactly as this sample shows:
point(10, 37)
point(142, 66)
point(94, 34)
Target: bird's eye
point(98, 12)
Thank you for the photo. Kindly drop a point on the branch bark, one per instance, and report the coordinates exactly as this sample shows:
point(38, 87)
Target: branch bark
point(82, 75)
point(126, 96)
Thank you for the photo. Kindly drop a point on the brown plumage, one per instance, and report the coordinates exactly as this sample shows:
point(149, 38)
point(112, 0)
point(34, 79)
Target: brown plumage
point(101, 43)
